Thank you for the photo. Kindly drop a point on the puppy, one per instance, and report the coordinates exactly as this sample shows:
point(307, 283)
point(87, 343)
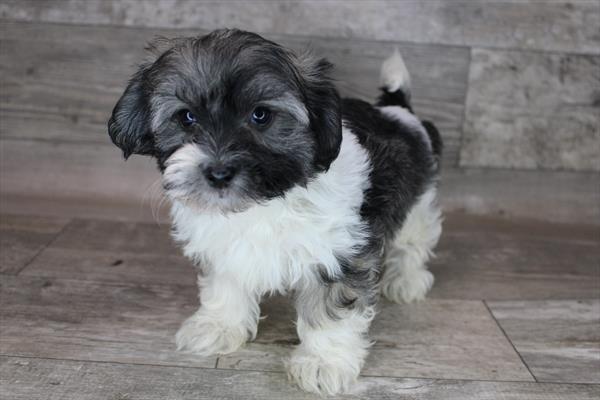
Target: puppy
point(278, 185)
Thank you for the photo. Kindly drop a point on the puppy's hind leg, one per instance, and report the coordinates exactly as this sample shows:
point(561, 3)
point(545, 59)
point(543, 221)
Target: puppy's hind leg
point(406, 278)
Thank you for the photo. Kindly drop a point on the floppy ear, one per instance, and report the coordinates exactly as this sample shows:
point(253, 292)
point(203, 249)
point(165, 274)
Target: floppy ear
point(323, 105)
point(129, 125)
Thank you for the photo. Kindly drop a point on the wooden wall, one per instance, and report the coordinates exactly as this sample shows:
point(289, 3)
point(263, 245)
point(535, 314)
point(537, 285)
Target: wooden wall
point(513, 85)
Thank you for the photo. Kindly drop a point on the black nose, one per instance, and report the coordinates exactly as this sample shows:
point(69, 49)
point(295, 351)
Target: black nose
point(219, 176)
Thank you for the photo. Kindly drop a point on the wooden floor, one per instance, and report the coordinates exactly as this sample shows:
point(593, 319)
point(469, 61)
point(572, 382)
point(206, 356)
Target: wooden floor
point(89, 308)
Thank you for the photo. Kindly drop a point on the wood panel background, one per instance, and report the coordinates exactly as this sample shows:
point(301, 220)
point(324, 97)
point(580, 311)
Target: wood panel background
point(513, 85)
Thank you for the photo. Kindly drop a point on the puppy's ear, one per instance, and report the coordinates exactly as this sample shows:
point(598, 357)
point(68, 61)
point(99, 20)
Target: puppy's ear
point(323, 105)
point(129, 125)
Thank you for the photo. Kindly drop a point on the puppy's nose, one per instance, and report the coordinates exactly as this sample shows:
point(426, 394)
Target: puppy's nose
point(219, 176)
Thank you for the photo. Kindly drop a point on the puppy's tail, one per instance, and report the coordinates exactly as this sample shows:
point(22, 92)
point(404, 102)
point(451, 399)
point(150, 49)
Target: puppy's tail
point(395, 89)
point(395, 81)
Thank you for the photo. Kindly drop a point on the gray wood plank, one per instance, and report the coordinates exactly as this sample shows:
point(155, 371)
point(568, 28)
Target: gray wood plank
point(532, 110)
point(96, 207)
point(435, 339)
point(486, 263)
point(522, 228)
point(29, 378)
point(569, 26)
point(437, 73)
point(95, 321)
point(563, 196)
point(32, 223)
point(115, 237)
point(112, 251)
point(559, 340)
point(23, 237)
point(71, 76)
point(144, 267)
point(70, 170)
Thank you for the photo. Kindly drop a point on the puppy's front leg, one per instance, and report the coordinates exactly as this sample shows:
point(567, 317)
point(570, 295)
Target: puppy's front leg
point(333, 321)
point(227, 317)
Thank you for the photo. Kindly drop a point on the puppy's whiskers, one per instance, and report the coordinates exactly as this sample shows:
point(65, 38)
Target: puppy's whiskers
point(156, 198)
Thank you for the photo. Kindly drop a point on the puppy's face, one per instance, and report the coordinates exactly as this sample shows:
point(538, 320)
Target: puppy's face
point(232, 119)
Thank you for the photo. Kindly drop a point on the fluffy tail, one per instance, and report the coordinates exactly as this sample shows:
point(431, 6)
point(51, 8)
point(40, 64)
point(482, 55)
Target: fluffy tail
point(395, 81)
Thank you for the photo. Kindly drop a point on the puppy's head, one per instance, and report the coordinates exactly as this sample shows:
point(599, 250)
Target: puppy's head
point(232, 119)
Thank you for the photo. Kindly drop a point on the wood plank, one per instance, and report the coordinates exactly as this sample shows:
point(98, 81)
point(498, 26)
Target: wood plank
point(557, 196)
point(115, 237)
point(488, 264)
point(522, 228)
point(435, 339)
point(437, 73)
point(569, 26)
point(76, 170)
point(23, 237)
point(532, 110)
point(96, 207)
point(81, 320)
point(110, 251)
point(29, 378)
point(106, 266)
point(70, 77)
point(559, 340)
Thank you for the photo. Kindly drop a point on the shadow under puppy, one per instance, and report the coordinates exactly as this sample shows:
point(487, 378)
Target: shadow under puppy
point(278, 185)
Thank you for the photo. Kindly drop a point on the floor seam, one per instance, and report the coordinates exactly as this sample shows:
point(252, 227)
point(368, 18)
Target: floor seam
point(509, 341)
point(44, 247)
point(105, 362)
point(283, 372)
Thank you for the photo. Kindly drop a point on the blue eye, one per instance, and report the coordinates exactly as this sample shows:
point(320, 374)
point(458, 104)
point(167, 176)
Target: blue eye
point(187, 118)
point(261, 116)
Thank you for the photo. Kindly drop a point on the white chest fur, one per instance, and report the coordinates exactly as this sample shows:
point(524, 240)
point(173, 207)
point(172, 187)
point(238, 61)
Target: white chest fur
point(270, 247)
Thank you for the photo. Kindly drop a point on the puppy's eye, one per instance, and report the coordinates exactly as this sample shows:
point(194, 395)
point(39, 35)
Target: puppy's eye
point(187, 118)
point(261, 116)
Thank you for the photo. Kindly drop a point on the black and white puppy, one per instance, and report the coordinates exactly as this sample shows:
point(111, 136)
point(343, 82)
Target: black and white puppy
point(278, 185)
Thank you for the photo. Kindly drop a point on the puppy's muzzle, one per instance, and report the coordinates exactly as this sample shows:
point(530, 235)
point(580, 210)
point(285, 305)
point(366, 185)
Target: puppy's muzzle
point(219, 175)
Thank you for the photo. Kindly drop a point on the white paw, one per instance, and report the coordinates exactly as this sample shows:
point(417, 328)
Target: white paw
point(409, 286)
point(321, 375)
point(206, 335)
